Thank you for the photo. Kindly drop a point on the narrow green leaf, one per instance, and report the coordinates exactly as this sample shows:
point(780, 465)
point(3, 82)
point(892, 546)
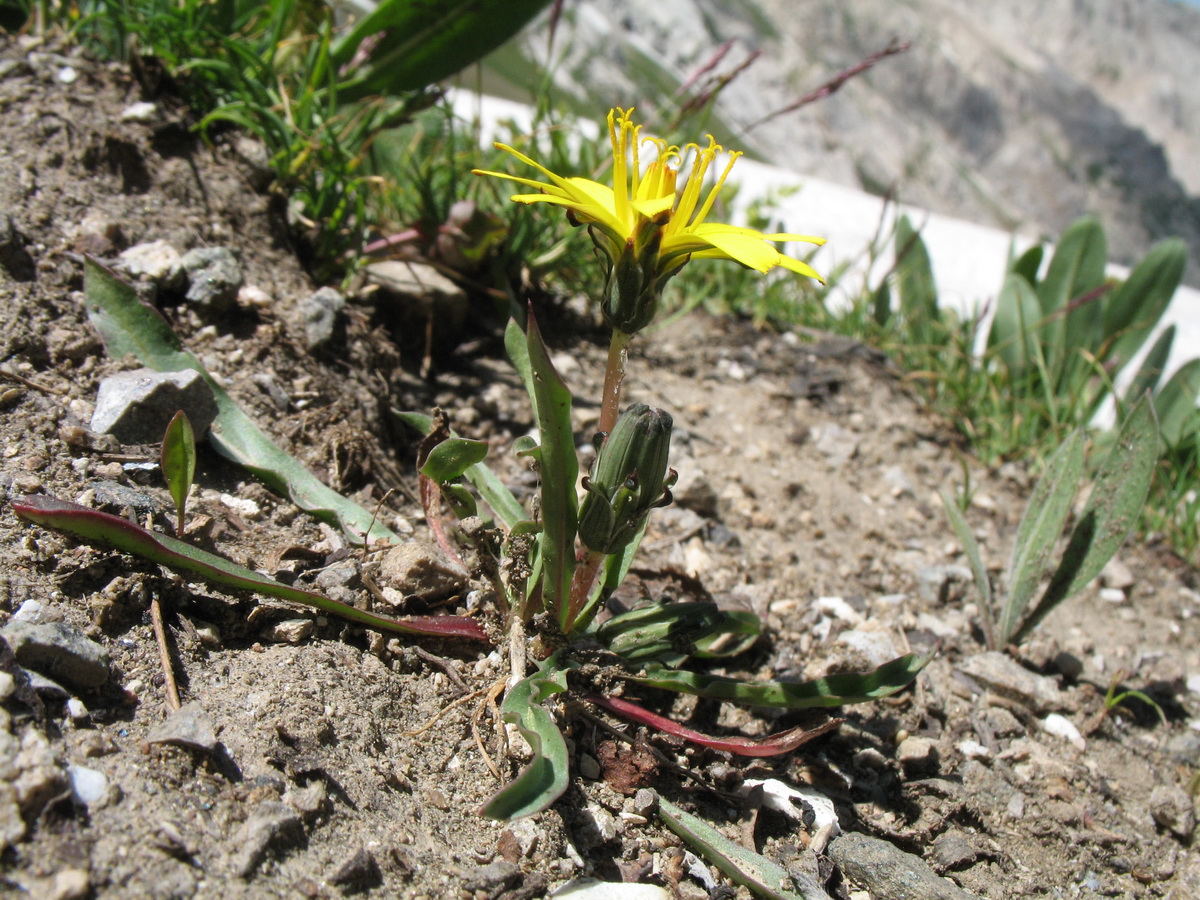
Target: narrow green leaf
point(559, 472)
point(832, 690)
point(915, 283)
point(546, 777)
point(450, 459)
point(127, 325)
point(93, 525)
point(179, 463)
point(1176, 402)
point(881, 304)
point(759, 874)
point(978, 571)
point(1118, 492)
point(1152, 367)
point(1041, 527)
point(1133, 309)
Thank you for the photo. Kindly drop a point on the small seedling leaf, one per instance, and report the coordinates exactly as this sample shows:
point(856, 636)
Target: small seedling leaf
point(983, 585)
point(451, 458)
point(1119, 490)
point(179, 463)
point(93, 525)
point(915, 283)
point(482, 478)
point(1040, 528)
point(759, 874)
point(832, 690)
point(1014, 328)
point(546, 777)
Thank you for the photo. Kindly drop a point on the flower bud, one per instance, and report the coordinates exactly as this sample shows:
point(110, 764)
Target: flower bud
point(629, 478)
point(633, 284)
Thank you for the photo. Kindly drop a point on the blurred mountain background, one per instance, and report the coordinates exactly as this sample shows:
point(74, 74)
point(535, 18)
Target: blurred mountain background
point(1020, 114)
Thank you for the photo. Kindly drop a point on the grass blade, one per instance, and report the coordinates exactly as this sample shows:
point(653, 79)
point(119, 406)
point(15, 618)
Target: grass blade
point(128, 325)
point(1119, 490)
point(93, 525)
point(832, 690)
point(759, 874)
point(1040, 529)
point(548, 773)
point(1152, 367)
point(978, 571)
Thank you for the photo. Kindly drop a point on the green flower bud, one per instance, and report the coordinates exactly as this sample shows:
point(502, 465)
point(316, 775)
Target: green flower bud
point(629, 478)
point(633, 285)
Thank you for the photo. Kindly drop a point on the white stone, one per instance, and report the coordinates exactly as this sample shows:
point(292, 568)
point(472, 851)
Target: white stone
point(88, 785)
point(591, 889)
point(142, 111)
point(1061, 726)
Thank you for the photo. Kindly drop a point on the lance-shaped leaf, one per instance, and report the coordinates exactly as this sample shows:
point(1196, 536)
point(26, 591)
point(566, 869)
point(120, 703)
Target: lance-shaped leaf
point(1040, 529)
point(548, 773)
point(983, 585)
point(1175, 404)
point(128, 325)
point(179, 463)
point(1076, 269)
point(832, 690)
point(915, 282)
point(1118, 492)
point(1014, 328)
point(772, 745)
point(1133, 309)
point(761, 875)
point(93, 525)
point(559, 469)
point(1152, 367)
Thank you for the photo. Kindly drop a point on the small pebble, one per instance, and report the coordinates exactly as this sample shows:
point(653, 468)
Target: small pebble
point(76, 709)
point(1062, 727)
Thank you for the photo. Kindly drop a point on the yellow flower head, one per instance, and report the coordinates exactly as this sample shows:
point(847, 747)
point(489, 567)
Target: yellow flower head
point(646, 225)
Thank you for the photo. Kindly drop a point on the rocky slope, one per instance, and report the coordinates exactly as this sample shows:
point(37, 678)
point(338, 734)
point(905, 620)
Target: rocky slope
point(1019, 114)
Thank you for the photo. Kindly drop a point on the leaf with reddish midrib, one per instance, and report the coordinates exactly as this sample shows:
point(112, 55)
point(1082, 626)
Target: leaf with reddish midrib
point(93, 525)
point(772, 745)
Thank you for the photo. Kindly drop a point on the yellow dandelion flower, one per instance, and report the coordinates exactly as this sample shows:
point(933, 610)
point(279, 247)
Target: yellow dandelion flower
point(648, 226)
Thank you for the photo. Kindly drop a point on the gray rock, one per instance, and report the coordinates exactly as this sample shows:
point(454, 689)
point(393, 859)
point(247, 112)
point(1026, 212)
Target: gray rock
point(412, 293)
point(357, 872)
point(188, 726)
point(888, 872)
point(940, 584)
point(12, 823)
point(492, 878)
point(59, 651)
point(320, 312)
point(1009, 679)
point(1172, 808)
point(214, 278)
point(157, 262)
point(272, 827)
point(419, 568)
point(917, 754)
point(136, 407)
point(952, 850)
point(837, 444)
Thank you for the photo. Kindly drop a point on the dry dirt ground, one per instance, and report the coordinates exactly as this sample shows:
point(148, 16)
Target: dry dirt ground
point(808, 493)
